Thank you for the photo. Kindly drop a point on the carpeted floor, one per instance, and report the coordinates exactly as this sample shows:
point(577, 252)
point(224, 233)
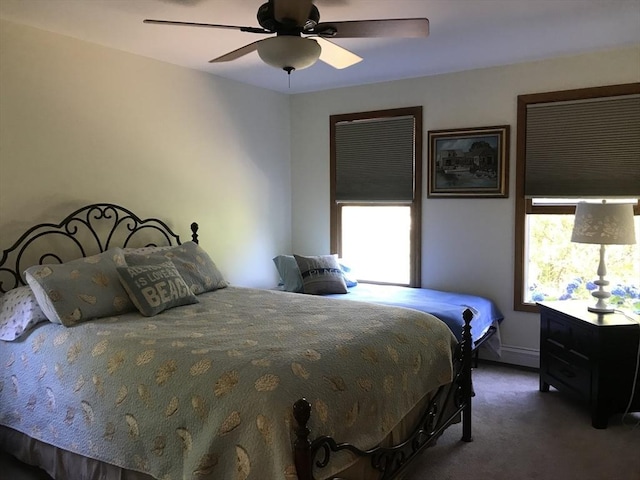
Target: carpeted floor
point(521, 433)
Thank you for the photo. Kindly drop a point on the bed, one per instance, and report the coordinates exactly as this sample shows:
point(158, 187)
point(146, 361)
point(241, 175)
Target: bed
point(190, 377)
point(445, 305)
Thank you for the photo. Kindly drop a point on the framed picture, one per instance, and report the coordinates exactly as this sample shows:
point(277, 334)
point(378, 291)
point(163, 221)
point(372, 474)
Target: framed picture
point(469, 162)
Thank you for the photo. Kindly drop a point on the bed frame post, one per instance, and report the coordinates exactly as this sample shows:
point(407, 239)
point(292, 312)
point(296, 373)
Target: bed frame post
point(194, 232)
point(467, 385)
point(302, 444)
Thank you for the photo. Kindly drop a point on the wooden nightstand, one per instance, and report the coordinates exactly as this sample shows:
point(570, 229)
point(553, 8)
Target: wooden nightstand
point(592, 356)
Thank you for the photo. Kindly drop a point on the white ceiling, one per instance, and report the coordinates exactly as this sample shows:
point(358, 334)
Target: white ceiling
point(464, 34)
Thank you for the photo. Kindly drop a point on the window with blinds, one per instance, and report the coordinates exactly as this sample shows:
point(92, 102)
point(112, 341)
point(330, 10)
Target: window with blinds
point(573, 145)
point(375, 159)
point(583, 148)
point(376, 178)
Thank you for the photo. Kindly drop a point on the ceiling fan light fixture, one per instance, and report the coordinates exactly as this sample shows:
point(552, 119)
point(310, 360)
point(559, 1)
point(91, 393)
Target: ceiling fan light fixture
point(289, 52)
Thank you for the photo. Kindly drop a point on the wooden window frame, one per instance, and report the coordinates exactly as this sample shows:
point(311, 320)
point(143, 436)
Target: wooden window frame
point(524, 206)
point(416, 204)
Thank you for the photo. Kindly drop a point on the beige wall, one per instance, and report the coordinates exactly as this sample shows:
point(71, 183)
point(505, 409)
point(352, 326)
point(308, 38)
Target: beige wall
point(468, 244)
point(80, 124)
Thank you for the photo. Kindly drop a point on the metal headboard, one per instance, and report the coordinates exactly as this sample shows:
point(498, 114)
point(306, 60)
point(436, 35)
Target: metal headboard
point(87, 231)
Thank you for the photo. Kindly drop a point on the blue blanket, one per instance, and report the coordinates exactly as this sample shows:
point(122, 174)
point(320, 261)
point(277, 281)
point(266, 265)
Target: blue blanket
point(447, 306)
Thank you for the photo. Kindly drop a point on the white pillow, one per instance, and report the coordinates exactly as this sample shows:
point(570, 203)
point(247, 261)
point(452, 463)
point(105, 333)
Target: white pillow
point(19, 312)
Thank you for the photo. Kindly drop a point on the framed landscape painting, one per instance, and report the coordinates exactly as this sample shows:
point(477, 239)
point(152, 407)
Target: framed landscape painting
point(469, 162)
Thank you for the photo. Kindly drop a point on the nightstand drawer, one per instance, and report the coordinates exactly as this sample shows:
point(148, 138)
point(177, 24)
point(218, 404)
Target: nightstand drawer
point(568, 355)
point(559, 333)
point(574, 339)
point(572, 376)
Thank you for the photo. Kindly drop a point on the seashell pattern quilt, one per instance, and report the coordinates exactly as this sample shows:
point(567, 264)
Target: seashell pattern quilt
point(205, 391)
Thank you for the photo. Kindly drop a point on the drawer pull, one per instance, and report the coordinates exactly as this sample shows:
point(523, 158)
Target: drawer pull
point(555, 342)
point(567, 373)
point(582, 355)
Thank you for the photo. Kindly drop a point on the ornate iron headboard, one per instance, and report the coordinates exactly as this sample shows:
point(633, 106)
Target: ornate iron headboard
point(87, 231)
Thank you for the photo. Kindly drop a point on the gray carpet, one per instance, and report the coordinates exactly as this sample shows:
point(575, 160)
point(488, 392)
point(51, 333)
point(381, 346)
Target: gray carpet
point(521, 433)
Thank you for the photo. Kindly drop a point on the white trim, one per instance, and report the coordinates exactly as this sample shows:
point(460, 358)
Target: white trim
point(524, 357)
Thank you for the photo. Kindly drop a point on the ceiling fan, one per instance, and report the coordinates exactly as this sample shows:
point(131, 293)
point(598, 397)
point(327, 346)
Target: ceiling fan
point(300, 39)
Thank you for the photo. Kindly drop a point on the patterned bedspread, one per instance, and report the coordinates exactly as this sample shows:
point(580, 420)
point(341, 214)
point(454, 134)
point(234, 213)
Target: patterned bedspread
point(205, 391)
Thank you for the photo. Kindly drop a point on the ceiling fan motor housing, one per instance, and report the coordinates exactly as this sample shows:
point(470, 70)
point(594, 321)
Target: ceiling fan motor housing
point(266, 19)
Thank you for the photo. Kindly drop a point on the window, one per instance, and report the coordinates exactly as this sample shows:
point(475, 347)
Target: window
point(574, 145)
point(376, 177)
point(557, 269)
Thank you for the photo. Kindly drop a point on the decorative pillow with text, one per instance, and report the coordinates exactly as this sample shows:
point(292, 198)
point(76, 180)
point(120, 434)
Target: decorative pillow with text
point(321, 274)
point(194, 265)
point(155, 287)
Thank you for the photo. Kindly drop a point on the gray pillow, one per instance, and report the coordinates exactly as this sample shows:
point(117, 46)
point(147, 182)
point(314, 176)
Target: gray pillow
point(194, 265)
point(80, 290)
point(155, 287)
point(321, 274)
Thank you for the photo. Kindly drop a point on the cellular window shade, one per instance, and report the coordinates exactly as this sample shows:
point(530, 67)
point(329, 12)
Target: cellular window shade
point(583, 148)
point(375, 159)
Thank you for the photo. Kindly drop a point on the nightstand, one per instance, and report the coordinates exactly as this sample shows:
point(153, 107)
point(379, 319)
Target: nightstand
point(590, 356)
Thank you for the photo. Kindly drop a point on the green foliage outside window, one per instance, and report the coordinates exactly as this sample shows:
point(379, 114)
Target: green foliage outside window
point(561, 270)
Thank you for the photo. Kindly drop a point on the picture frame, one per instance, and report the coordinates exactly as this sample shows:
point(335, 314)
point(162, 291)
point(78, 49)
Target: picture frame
point(469, 162)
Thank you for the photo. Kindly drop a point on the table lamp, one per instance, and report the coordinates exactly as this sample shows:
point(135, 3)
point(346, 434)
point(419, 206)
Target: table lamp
point(604, 224)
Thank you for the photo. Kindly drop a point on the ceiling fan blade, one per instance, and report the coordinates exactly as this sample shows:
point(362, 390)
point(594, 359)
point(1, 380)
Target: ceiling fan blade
point(335, 55)
point(235, 54)
point(401, 27)
point(296, 10)
point(206, 25)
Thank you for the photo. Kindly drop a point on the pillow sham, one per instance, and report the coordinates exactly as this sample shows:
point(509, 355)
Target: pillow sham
point(321, 274)
point(289, 273)
point(155, 287)
point(194, 265)
point(80, 290)
point(19, 312)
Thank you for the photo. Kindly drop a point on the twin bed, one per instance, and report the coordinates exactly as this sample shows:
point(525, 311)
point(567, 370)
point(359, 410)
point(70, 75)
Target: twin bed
point(183, 376)
point(446, 306)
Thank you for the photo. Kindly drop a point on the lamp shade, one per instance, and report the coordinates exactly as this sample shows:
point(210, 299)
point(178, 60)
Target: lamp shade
point(289, 52)
point(604, 224)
